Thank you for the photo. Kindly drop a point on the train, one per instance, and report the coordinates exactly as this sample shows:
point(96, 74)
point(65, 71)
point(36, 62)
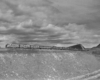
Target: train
point(26, 46)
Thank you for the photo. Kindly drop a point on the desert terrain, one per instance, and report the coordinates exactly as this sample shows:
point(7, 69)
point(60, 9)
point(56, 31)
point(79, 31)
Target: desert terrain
point(49, 65)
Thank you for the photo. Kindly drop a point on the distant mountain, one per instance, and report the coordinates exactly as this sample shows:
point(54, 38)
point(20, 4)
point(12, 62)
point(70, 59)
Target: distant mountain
point(95, 47)
point(77, 47)
point(96, 50)
point(98, 46)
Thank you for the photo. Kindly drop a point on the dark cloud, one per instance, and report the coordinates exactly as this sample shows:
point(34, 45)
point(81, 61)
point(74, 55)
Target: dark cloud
point(50, 21)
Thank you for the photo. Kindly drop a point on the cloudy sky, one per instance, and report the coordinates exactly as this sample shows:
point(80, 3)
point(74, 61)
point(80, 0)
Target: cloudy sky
point(56, 22)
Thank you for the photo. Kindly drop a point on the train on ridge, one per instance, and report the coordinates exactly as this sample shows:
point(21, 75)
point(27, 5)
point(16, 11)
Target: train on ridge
point(26, 46)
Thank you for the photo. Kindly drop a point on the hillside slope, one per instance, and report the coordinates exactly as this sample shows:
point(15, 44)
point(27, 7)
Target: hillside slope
point(47, 65)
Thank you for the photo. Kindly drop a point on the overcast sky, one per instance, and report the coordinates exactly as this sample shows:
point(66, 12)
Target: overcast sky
point(57, 22)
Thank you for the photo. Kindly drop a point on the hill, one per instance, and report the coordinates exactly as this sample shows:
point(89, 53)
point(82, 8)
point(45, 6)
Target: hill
point(47, 64)
point(76, 47)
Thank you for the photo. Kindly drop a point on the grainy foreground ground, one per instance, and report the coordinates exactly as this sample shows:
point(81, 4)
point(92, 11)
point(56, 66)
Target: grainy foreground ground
point(48, 65)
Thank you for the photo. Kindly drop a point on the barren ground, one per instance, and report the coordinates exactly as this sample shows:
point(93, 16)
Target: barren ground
point(47, 65)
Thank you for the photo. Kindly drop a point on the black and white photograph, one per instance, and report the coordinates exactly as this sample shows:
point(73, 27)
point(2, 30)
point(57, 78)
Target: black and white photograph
point(49, 39)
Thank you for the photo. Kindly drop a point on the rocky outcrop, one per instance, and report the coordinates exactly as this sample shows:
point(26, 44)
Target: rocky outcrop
point(76, 47)
point(98, 46)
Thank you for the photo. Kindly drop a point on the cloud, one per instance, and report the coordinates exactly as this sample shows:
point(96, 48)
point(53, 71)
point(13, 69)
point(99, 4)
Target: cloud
point(2, 28)
point(54, 21)
point(69, 34)
point(56, 11)
point(70, 31)
point(76, 11)
point(4, 39)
